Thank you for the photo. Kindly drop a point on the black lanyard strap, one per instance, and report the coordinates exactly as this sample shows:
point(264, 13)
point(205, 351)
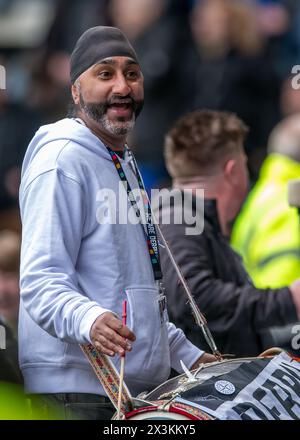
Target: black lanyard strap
point(150, 231)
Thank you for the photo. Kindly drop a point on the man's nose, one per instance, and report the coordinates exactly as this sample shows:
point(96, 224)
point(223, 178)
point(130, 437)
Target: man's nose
point(121, 86)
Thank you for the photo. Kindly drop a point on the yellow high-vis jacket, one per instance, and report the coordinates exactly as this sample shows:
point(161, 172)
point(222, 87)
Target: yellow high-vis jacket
point(267, 231)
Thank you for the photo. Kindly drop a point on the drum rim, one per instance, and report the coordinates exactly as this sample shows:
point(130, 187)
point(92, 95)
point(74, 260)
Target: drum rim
point(172, 409)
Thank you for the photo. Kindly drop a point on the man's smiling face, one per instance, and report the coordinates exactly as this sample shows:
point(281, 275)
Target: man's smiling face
point(111, 93)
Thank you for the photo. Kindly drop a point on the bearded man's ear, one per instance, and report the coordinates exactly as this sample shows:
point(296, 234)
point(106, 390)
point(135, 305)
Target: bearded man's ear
point(75, 90)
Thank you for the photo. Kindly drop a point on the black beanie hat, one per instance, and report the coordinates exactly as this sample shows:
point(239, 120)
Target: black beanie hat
point(96, 44)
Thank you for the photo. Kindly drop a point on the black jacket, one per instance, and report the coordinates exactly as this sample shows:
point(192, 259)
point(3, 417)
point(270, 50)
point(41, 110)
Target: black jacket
point(236, 311)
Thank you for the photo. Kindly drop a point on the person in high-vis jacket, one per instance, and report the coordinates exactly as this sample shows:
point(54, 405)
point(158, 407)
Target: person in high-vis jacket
point(267, 231)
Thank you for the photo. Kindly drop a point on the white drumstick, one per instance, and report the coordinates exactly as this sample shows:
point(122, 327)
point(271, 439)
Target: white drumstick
point(122, 368)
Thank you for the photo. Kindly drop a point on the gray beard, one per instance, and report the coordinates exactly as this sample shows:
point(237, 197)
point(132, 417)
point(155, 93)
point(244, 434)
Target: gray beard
point(117, 128)
point(97, 112)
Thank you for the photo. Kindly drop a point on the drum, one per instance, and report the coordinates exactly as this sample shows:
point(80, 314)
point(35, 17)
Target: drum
point(262, 388)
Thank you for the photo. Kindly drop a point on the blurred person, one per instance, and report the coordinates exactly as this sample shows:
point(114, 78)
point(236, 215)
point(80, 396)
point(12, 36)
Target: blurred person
point(204, 150)
point(10, 244)
point(9, 367)
point(17, 121)
point(279, 22)
point(49, 86)
point(232, 70)
point(273, 17)
point(75, 270)
point(235, 26)
point(72, 18)
point(267, 231)
point(290, 97)
point(136, 17)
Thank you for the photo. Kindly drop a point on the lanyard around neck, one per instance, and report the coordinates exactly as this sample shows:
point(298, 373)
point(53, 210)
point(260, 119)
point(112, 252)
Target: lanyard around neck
point(150, 231)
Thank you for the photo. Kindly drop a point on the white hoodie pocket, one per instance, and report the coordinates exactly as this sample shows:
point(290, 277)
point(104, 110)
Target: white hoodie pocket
point(150, 353)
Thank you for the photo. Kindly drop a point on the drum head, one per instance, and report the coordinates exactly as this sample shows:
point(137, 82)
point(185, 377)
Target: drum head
point(180, 384)
point(262, 388)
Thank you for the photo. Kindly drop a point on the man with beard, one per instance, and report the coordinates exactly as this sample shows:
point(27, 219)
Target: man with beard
point(78, 265)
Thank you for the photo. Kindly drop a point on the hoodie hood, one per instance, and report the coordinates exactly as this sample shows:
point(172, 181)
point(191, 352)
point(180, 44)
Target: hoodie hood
point(64, 130)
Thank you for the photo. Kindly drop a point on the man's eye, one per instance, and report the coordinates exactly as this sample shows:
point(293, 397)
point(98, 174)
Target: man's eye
point(132, 74)
point(105, 74)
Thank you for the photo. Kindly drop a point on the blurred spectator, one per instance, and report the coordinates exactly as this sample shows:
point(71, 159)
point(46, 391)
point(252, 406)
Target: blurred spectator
point(278, 23)
point(9, 305)
point(232, 70)
point(9, 369)
point(9, 277)
point(136, 17)
point(273, 18)
point(17, 123)
point(72, 18)
point(48, 91)
point(289, 98)
point(267, 231)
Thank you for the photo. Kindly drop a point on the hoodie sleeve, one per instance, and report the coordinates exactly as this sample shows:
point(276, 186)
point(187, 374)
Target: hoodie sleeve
point(52, 209)
point(181, 349)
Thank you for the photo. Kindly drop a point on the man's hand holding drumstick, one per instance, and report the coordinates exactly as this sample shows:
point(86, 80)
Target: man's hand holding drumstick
point(110, 336)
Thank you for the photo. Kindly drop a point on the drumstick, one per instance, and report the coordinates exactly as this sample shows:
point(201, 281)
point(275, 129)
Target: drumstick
point(122, 368)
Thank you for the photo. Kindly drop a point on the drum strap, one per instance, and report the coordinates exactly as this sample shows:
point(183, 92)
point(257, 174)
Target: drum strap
point(149, 230)
point(108, 377)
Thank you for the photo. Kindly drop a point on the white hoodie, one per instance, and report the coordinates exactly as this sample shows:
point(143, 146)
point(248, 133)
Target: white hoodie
point(73, 269)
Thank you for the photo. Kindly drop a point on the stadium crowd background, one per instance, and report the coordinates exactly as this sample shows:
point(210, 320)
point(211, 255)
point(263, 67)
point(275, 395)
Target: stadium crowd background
point(232, 55)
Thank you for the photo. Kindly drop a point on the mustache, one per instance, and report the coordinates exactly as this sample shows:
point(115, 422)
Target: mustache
point(99, 109)
point(126, 100)
point(121, 100)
